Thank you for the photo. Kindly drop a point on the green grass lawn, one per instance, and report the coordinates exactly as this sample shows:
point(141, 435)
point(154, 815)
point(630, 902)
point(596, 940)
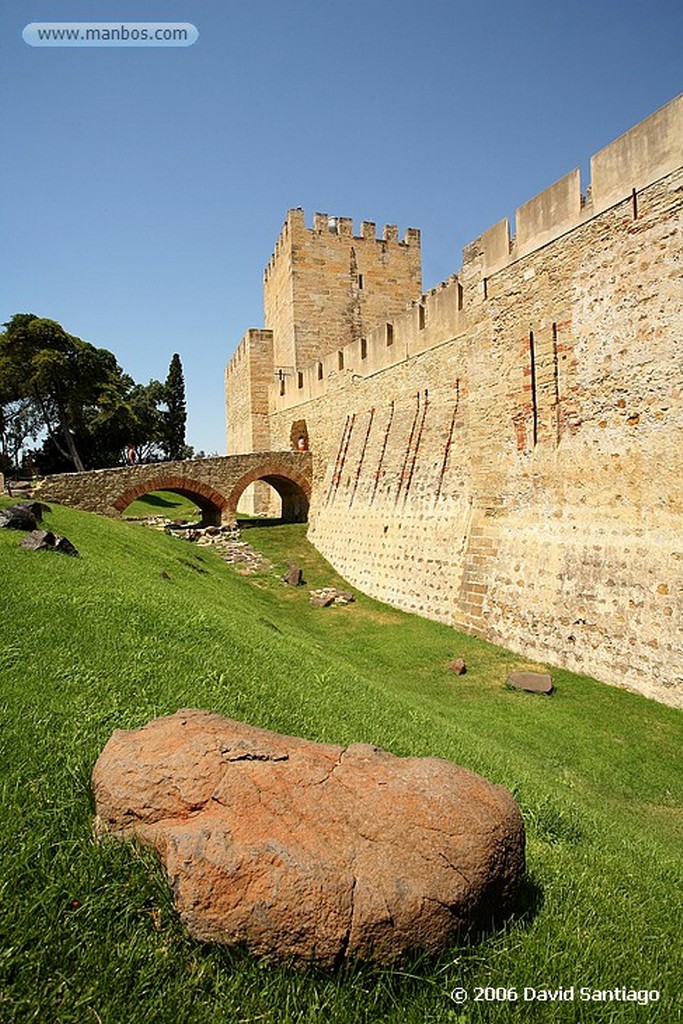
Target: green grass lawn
point(163, 503)
point(142, 624)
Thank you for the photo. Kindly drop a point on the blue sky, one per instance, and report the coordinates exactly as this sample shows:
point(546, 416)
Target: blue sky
point(143, 189)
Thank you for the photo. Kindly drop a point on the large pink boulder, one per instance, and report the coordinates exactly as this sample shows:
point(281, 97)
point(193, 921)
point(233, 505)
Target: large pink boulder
point(310, 851)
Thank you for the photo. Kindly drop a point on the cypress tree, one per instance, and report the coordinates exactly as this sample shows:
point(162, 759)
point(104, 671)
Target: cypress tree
point(176, 415)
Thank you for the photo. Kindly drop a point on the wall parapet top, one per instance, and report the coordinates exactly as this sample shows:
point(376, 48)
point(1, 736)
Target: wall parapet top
point(648, 151)
point(253, 336)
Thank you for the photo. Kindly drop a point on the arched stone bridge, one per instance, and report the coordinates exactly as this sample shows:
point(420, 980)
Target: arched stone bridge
point(214, 484)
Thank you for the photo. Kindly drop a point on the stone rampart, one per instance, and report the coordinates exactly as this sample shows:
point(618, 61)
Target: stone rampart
point(522, 479)
point(506, 454)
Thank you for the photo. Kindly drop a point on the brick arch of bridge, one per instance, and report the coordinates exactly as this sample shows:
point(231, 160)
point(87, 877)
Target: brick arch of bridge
point(293, 487)
point(214, 506)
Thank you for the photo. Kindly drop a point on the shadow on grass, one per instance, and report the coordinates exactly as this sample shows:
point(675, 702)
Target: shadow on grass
point(496, 919)
point(156, 499)
point(530, 900)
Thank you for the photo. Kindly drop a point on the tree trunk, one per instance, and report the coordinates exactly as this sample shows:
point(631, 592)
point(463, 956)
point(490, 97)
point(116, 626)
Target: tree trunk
point(68, 437)
point(73, 453)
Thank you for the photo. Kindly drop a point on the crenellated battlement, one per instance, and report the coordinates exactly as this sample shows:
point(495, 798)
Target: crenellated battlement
point(435, 317)
point(324, 284)
point(324, 224)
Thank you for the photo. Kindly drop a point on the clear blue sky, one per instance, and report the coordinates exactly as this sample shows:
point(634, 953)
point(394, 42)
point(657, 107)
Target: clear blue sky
point(143, 189)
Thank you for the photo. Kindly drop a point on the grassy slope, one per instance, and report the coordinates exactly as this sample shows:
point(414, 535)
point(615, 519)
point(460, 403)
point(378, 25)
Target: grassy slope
point(104, 642)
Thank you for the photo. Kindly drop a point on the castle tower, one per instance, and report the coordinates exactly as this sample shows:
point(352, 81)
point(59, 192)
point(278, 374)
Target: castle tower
point(325, 287)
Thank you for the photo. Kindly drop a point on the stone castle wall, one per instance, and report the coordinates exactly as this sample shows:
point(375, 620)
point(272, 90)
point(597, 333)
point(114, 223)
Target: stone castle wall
point(508, 457)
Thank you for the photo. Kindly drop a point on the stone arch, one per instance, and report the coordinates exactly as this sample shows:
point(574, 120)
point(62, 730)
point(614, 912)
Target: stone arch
point(294, 490)
point(213, 505)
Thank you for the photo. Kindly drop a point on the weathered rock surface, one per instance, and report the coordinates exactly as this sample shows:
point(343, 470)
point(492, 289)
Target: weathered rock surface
point(310, 851)
point(38, 540)
point(36, 508)
point(24, 515)
point(458, 667)
point(65, 547)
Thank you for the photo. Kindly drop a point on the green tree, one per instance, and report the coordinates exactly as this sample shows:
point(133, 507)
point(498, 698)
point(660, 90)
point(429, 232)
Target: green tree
point(60, 374)
point(77, 394)
point(19, 423)
point(176, 412)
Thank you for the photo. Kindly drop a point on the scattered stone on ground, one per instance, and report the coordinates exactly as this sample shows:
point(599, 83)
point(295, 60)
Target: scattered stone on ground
point(326, 596)
point(18, 517)
point(533, 682)
point(458, 667)
point(46, 540)
point(64, 545)
point(294, 577)
point(309, 851)
point(224, 540)
point(37, 508)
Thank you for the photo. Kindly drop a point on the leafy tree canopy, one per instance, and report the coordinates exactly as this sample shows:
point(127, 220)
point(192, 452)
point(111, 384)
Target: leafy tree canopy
point(76, 396)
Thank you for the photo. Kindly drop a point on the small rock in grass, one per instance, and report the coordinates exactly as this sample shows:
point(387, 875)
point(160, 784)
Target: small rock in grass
point(18, 517)
point(458, 667)
point(330, 595)
point(294, 577)
point(45, 540)
point(36, 508)
point(65, 547)
point(38, 540)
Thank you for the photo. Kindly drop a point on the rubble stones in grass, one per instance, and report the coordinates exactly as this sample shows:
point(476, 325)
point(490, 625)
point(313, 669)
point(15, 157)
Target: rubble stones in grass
point(224, 540)
point(65, 547)
point(18, 517)
point(38, 540)
point(327, 596)
point(310, 852)
point(36, 508)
